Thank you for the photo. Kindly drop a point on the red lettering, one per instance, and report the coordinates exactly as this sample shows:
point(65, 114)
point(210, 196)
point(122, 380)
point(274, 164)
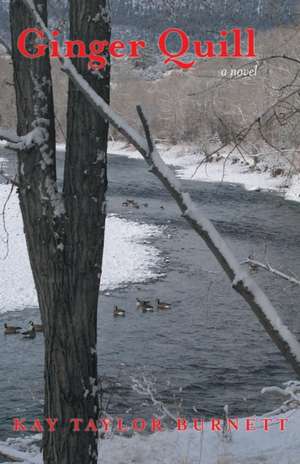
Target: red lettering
point(266, 424)
point(106, 424)
point(21, 44)
point(114, 47)
point(37, 426)
point(198, 425)
point(51, 424)
point(97, 60)
point(210, 49)
point(19, 425)
point(72, 45)
point(184, 48)
point(216, 425)
point(250, 425)
point(237, 51)
point(54, 46)
point(156, 425)
point(251, 43)
point(134, 48)
point(139, 425)
point(120, 426)
point(91, 427)
point(76, 424)
point(224, 53)
point(282, 424)
point(233, 424)
point(182, 425)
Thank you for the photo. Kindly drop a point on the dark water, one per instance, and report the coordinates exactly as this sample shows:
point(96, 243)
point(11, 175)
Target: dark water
point(209, 350)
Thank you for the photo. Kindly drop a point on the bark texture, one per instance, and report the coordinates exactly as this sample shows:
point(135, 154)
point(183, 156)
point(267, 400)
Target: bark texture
point(65, 230)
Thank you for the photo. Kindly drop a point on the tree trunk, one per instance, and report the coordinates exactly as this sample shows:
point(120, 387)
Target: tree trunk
point(65, 231)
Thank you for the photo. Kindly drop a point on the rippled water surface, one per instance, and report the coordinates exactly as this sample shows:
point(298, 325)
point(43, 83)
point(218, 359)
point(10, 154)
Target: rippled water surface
point(209, 350)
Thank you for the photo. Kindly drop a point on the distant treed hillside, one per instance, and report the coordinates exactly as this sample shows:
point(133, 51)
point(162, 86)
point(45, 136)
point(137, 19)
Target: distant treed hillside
point(195, 16)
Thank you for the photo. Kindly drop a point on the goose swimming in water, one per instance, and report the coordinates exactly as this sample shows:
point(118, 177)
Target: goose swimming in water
point(31, 333)
point(118, 312)
point(37, 327)
point(144, 305)
point(11, 330)
point(161, 305)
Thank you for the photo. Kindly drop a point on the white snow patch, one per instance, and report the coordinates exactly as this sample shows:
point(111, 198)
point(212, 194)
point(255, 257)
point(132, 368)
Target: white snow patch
point(187, 160)
point(126, 258)
point(294, 189)
point(125, 149)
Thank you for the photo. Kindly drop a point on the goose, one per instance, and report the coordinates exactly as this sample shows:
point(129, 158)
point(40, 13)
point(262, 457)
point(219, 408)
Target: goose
point(37, 327)
point(31, 333)
point(144, 305)
point(11, 330)
point(133, 204)
point(118, 312)
point(148, 309)
point(161, 305)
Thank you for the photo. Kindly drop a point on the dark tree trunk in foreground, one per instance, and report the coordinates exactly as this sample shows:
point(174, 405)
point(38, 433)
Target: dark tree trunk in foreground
point(65, 231)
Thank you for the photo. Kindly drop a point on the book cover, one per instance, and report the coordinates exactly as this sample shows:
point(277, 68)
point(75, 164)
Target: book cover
point(149, 245)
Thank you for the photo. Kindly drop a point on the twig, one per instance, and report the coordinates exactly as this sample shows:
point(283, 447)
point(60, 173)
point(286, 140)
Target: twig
point(4, 222)
point(267, 267)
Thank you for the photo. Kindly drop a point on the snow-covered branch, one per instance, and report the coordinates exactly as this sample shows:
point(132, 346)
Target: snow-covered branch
point(145, 388)
point(291, 390)
point(239, 278)
point(257, 264)
point(22, 143)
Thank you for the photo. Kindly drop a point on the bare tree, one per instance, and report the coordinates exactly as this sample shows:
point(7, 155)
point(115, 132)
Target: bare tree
point(64, 230)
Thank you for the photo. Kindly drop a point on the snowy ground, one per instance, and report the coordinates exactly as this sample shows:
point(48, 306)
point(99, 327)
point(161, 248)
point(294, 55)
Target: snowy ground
point(187, 158)
point(189, 447)
point(188, 161)
point(126, 257)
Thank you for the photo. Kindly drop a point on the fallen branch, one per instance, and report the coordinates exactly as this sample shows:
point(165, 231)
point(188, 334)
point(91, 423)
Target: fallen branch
point(291, 390)
point(240, 279)
point(256, 264)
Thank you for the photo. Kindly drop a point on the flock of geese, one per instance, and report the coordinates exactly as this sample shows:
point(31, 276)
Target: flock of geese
point(144, 306)
point(33, 329)
point(29, 334)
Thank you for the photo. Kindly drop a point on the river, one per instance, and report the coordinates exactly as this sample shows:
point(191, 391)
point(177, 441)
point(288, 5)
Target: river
point(209, 350)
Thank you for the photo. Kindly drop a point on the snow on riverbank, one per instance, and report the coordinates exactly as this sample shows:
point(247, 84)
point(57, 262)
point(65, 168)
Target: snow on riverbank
point(190, 447)
point(235, 170)
point(126, 257)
